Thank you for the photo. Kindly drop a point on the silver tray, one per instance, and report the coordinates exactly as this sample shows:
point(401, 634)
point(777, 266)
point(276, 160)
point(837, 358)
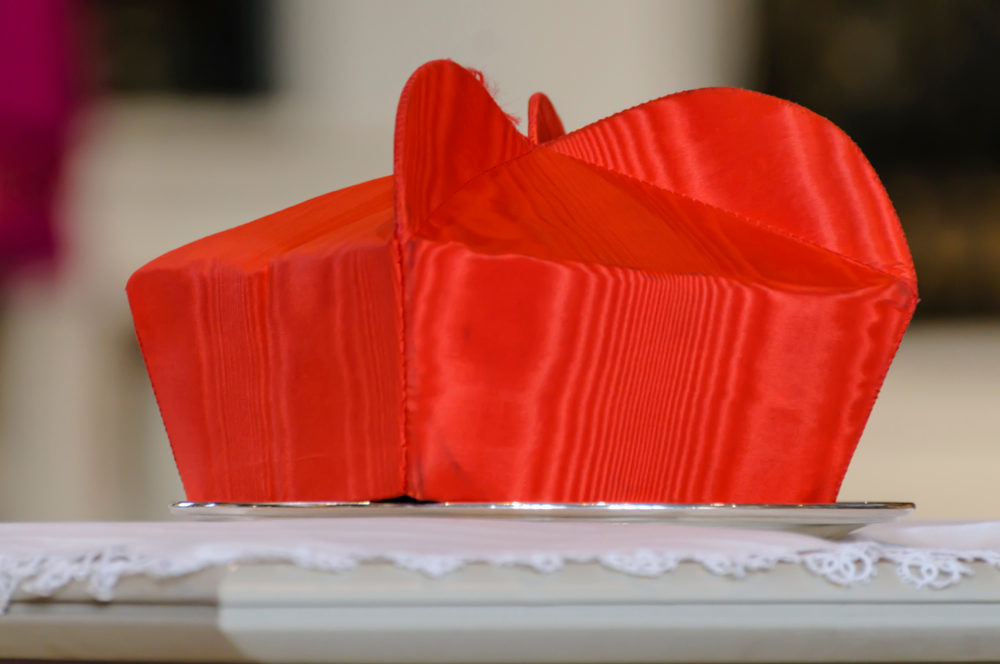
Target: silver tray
point(827, 520)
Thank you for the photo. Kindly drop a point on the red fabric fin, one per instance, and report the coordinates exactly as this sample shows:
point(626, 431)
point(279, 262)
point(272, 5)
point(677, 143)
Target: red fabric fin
point(544, 124)
point(760, 157)
point(449, 129)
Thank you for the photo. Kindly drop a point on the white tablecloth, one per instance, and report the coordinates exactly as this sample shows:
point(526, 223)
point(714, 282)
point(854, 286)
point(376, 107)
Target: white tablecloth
point(41, 558)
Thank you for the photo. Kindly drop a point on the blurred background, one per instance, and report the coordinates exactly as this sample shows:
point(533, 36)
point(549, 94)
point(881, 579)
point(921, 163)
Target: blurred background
point(130, 127)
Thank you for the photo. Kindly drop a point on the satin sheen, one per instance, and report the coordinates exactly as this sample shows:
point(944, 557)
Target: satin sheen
point(695, 300)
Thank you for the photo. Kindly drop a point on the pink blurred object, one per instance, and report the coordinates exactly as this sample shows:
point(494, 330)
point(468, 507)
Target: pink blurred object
point(39, 95)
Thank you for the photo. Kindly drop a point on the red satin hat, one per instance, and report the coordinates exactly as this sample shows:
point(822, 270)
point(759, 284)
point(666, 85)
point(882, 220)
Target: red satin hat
point(694, 300)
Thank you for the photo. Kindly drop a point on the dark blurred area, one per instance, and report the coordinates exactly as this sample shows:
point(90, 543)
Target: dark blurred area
point(187, 46)
point(916, 83)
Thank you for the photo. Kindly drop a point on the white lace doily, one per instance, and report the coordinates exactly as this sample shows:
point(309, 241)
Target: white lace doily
point(41, 558)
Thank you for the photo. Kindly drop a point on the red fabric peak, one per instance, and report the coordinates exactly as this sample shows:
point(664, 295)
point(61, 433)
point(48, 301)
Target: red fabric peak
point(544, 124)
point(695, 300)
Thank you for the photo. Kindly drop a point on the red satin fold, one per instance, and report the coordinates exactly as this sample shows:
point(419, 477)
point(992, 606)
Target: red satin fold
point(695, 300)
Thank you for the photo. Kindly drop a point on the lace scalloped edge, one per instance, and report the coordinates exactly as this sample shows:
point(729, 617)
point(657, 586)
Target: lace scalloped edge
point(850, 565)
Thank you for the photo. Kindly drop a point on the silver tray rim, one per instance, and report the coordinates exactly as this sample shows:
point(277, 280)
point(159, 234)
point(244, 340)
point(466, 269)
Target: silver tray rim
point(861, 512)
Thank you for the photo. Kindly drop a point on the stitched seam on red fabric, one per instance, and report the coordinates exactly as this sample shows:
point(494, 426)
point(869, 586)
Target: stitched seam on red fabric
point(764, 227)
point(399, 230)
point(399, 261)
point(796, 108)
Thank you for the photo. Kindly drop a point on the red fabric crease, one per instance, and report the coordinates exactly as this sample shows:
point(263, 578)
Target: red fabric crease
point(694, 300)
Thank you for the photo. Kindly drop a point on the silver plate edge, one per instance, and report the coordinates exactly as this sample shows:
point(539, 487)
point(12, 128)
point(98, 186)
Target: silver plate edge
point(604, 511)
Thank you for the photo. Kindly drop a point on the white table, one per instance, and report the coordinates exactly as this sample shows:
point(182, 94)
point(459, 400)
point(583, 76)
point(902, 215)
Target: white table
point(493, 612)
